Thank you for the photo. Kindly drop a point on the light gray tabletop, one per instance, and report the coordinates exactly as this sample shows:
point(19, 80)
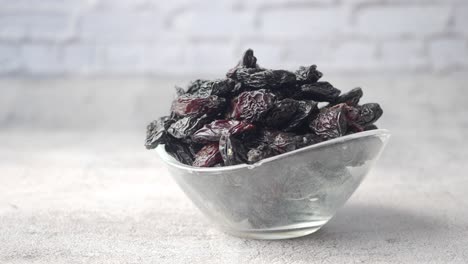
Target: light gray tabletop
point(83, 196)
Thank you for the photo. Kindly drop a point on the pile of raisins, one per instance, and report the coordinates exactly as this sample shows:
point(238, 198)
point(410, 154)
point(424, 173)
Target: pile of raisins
point(255, 113)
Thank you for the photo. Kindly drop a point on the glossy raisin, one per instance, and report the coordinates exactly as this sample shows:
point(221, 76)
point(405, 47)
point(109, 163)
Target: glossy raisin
point(252, 106)
point(189, 105)
point(220, 87)
point(319, 91)
point(185, 127)
point(214, 130)
point(304, 112)
point(256, 113)
point(350, 98)
point(232, 150)
point(156, 132)
point(179, 150)
point(271, 79)
point(330, 122)
point(208, 156)
point(259, 153)
point(369, 113)
point(281, 113)
point(248, 61)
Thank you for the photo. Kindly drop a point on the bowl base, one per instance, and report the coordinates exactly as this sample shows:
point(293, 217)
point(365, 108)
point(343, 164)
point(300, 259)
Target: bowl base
point(277, 233)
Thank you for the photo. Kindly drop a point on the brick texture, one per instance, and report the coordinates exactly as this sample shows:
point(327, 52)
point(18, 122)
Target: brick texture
point(182, 37)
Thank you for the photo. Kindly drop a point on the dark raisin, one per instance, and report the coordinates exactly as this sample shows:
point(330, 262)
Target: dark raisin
point(269, 112)
point(214, 130)
point(259, 153)
point(320, 92)
point(305, 111)
point(179, 150)
point(330, 122)
point(156, 132)
point(350, 98)
point(221, 87)
point(268, 79)
point(307, 140)
point(252, 105)
point(188, 105)
point(232, 150)
point(241, 74)
point(208, 156)
point(281, 113)
point(248, 61)
point(185, 127)
point(308, 74)
point(369, 113)
point(283, 142)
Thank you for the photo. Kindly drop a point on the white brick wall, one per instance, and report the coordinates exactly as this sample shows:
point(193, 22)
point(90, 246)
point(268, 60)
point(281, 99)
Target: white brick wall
point(205, 37)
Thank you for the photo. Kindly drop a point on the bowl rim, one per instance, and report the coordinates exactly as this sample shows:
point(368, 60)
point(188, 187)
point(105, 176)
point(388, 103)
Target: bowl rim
point(173, 162)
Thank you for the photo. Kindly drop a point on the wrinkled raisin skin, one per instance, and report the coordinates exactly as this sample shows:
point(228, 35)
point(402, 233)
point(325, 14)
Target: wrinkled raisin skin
point(179, 150)
point(208, 156)
point(255, 113)
point(232, 150)
point(252, 106)
point(281, 113)
point(369, 113)
point(330, 122)
point(213, 131)
point(185, 127)
point(188, 105)
point(308, 74)
point(156, 132)
point(350, 98)
point(320, 92)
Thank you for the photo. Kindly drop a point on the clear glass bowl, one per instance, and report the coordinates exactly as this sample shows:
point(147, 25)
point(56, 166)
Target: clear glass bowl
point(290, 195)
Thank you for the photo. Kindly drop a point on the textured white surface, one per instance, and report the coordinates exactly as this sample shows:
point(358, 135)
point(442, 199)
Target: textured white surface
point(98, 197)
point(82, 199)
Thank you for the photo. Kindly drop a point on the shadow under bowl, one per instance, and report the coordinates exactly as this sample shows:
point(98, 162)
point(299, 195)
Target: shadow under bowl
point(289, 195)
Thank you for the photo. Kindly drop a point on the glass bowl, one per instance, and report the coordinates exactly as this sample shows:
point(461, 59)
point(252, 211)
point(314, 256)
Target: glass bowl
point(290, 195)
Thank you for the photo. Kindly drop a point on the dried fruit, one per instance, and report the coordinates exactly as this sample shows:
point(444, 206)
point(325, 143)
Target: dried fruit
point(308, 74)
point(208, 156)
point(319, 91)
point(331, 122)
point(270, 79)
point(156, 132)
point(213, 131)
point(185, 127)
point(232, 150)
point(189, 105)
point(281, 113)
point(269, 112)
point(259, 153)
point(369, 113)
point(179, 150)
point(221, 87)
point(248, 61)
point(305, 111)
point(350, 98)
point(252, 106)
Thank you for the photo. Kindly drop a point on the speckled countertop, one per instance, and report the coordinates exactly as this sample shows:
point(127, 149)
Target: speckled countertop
point(96, 196)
